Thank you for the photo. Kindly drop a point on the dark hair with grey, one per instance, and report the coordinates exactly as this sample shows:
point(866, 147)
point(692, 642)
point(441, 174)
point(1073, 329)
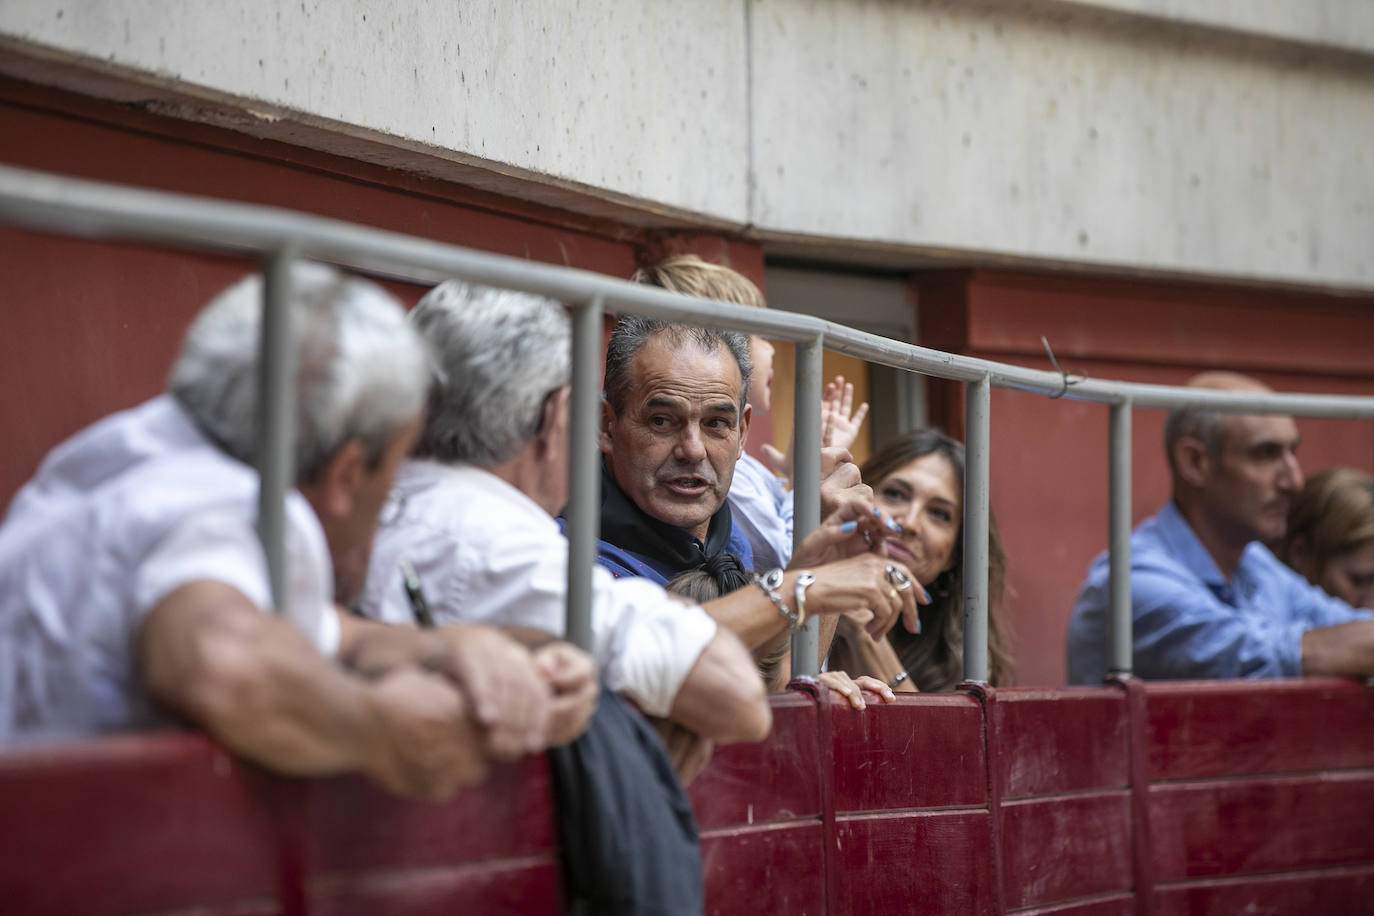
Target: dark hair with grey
point(362, 373)
point(502, 353)
point(632, 332)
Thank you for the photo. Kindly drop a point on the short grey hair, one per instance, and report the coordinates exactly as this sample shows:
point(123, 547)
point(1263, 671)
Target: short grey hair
point(1207, 426)
point(503, 353)
point(363, 372)
point(632, 332)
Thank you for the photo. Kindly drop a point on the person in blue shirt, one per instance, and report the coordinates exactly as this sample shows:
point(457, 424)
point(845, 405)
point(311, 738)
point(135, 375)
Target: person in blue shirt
point(1208, 599)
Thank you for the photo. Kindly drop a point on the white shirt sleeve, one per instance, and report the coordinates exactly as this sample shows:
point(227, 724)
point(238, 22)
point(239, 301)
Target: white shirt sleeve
point(646, 641)
point(222, 546)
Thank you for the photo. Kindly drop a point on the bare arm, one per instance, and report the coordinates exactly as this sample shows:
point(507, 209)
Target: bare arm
point(1343, 649)
point(258, 686)
point(722, 697)
point(497, 674)
point(873, 657)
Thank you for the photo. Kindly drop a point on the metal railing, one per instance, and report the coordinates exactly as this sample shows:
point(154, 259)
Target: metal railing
point(70, 206)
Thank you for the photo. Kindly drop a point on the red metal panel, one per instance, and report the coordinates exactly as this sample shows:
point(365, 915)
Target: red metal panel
point(1328, 892)
point(1111, 905)
point(351, 824)
point(751, 871)
point(925, 861)
point(512, 887)
point(1060, 740)
point(773, 780)
point(1263, 824)
point(1063, 848)
point(922, 751)
point(1211, 728)
point(133, 823)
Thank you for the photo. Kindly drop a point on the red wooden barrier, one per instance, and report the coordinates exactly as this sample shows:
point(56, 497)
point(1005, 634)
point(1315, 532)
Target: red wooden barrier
point(1257, 797)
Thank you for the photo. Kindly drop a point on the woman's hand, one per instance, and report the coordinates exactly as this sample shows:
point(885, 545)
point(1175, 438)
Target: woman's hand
point(867, 582)
point(856, 527)
point(852, 688)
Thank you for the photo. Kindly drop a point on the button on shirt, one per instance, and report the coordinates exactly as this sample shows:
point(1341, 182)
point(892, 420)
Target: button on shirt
point(117, 518)
point(1190, 622)
point(487, 553)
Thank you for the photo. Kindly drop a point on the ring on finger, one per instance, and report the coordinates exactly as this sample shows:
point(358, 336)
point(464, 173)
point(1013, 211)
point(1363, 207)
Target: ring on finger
point(900, 580)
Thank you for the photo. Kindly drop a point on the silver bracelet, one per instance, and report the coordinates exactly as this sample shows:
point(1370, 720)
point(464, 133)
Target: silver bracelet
point(898, 679)
point(769, 582)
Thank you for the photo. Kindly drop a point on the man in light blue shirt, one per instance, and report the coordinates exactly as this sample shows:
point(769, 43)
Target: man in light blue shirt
point(1208, 600)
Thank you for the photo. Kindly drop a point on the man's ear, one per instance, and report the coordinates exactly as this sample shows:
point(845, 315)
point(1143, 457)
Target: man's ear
point(334, 487)
point(744, 419)
point(1193, 461)
point(607, 421)
point(553, 421)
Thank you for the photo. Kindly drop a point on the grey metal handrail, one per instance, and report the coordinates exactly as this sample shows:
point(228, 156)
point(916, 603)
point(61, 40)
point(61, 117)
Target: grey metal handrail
point(70, 206)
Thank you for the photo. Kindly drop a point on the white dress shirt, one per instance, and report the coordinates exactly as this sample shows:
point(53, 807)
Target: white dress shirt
point(118, 517)
point(487, 553)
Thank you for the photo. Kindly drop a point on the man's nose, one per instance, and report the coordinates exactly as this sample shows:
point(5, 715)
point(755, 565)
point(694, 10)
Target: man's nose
point(1291, 480)
point(690, 448)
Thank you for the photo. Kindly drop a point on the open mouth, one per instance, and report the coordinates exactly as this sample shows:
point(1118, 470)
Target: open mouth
point(687, 486)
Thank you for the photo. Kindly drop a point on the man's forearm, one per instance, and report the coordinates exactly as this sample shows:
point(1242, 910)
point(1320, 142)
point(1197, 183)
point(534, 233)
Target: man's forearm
point(722, 697)
point(254, 683)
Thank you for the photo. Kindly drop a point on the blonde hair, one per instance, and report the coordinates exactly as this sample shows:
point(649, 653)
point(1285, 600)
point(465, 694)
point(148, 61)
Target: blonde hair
point(1333, 514)
point(691, 276)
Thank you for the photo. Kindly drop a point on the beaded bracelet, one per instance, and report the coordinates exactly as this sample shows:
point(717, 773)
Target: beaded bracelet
point(769, 583)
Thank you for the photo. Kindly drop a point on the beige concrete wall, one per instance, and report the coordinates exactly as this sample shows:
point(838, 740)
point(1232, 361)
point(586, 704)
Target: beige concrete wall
point(1224, 138)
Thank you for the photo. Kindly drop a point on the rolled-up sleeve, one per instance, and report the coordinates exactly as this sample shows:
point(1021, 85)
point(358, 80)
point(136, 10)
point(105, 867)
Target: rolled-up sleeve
point(647, 642)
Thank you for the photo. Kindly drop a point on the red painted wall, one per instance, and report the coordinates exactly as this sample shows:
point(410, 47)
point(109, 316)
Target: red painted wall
point(1049, 457)
point(89, 328)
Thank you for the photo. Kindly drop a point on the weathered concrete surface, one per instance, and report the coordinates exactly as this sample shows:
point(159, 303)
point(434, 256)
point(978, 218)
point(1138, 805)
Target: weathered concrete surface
point(1044, 135)
point(1226, 138)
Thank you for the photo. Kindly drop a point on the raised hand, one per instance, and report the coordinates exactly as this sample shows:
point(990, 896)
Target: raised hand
point(840, 422)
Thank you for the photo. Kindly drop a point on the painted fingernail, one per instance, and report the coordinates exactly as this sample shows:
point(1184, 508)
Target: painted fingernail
point(918, 626)
point(893, 524)
point(876, 511)
point(848, 527)
point(925, 592)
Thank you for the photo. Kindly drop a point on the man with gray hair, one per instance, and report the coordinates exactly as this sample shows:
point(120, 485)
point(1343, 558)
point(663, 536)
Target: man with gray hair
point(1208, 599)
point(134, 592)
point(473, 515)
point(674, 422)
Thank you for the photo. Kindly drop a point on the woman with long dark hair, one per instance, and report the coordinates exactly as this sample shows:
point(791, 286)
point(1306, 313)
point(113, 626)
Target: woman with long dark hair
point(918, 479)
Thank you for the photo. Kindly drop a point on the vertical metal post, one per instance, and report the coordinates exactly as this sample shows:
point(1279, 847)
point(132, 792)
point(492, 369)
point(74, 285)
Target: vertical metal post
point(277, 361)
point(977, 422)
point(806, 484)
point(1119, 618)
point(583, 516)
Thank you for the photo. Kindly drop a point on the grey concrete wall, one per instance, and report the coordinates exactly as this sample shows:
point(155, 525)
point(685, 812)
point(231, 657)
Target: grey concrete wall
point(1225, 138)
